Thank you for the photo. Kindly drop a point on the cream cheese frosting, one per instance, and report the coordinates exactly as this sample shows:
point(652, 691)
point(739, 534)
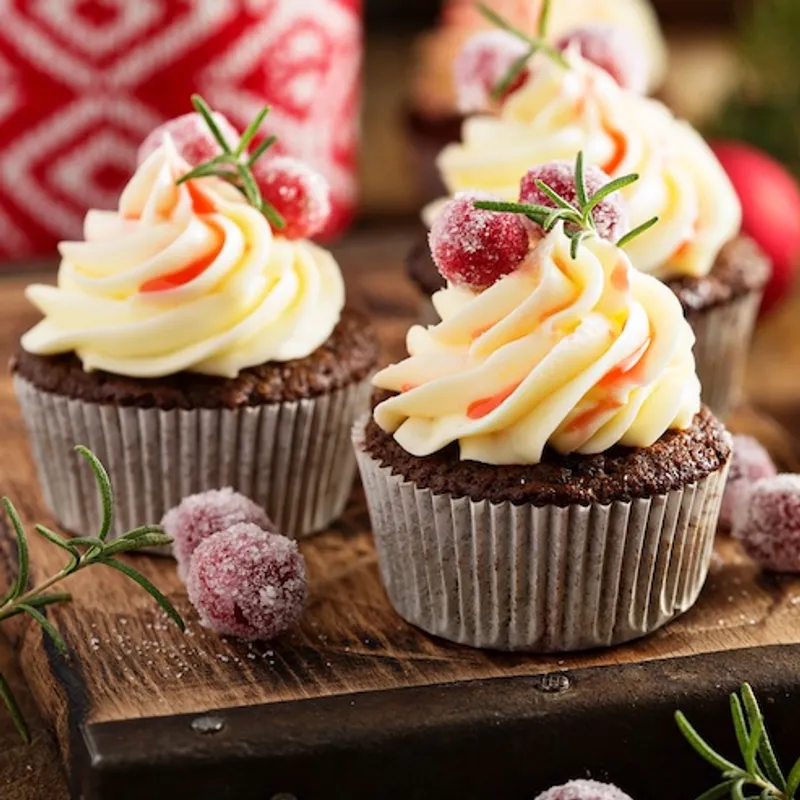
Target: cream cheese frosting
point(185, 277)
point(580, 355)
point(560, 112)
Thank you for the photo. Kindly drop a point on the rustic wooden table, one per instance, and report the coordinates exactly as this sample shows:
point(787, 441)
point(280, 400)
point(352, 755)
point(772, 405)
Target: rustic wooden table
point(381, 699)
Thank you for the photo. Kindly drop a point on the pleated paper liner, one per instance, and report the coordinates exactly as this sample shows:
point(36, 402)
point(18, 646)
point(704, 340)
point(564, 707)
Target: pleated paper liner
point(724, 334)
point(547, 579)
point(293, 458)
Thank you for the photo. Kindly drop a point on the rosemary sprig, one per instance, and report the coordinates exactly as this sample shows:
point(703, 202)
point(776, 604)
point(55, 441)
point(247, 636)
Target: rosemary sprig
point(236, 165)
point(578, 219)
point(82, 552)
point(761, 772)
point(535, 44)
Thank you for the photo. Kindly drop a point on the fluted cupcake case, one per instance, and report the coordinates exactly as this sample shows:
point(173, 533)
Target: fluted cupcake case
point(294, 458)
point(724, 334)
point(546, 579)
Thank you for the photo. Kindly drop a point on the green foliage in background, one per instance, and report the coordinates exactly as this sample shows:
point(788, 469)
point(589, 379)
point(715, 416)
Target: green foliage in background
point(765, 110)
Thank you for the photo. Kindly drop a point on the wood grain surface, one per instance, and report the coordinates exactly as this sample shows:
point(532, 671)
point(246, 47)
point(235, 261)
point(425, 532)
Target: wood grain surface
point(129, 662)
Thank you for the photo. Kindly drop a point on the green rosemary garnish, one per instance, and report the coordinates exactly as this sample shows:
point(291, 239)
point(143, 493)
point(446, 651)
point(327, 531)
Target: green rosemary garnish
point(761, 777)
point(535, 44)
point(578, 219)
point(235, 166)
point(84, 551)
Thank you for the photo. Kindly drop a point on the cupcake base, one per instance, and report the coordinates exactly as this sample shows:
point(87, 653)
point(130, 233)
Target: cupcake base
point(278, 433)
point(538, 577)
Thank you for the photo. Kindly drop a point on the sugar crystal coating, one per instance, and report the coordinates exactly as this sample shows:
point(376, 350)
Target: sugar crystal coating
point(248, 583)
point(199, 516)
point(300, 194)
point(193, 139)
point(584, 790)
point(483, 63)
point(610, 215)
point(768, 523)
point(612, 48)
point(751, 462)
point(476, 248)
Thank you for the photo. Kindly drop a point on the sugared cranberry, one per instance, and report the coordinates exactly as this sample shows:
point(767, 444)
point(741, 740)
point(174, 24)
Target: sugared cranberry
point(193, 140)
point(199, 516)
point(482, 64)
point(584, 790)
point(768, 524)
point(248, 583)
point(610, 216)
point(300, 194)
point(612, 48)
point(751, 463)
point(476, 248)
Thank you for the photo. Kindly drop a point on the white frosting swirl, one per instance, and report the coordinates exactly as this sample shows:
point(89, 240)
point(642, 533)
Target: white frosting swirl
point(185, 278)
point(560, 112)
point(577, 354)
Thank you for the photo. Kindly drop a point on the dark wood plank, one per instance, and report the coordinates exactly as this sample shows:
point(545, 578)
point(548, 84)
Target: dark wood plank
point(130, 664)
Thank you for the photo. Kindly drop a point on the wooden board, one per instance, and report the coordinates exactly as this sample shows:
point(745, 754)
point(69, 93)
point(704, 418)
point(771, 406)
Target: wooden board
point(355, 695)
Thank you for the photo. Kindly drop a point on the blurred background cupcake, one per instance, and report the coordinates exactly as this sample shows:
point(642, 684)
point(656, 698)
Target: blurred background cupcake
point(435, 113)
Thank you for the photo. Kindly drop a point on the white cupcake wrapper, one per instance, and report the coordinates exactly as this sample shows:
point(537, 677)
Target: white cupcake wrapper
point(546, 579)
point(293, 458)
point(724, 334)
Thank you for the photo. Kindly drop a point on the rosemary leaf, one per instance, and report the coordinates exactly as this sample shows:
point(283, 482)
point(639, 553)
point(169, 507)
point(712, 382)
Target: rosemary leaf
point(702, 748)
point(544, 18)
point(721, 790)
point(261, 149)
point(580, 181)
point(793, 783)
point(251, 131)
point(46, 626)
point(737, 790)
point(137, 577)
point(638, 231)
point(205, 171)
point(276, 219)
point(609, 189)
point(126, 545)
point(89, 541)
point(18, 587)
point(556, 197)
point(58, 541)
point(502, 23)
point(750, 753)
point(14, 710)
point(205, 112)
point(739, 723)
point(104, 485)
point(514, 71)
point(768, 758)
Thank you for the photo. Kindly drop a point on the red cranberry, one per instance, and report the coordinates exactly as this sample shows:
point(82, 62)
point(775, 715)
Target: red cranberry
point(610, 216)
point(193, 140)
point(751, 463)
point(300, 194)
point(584, 790)
point(476, 248)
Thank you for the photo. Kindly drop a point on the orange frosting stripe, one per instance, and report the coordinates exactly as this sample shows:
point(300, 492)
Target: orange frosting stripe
point(485, 406)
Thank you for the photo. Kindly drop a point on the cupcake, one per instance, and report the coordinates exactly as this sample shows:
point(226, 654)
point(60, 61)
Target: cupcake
point(570, 104)
point(540, 472)
point(197, 339)
point(436, 107)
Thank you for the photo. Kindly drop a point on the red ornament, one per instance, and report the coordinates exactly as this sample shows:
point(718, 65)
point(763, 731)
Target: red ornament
point(770, 199)
point(476, 248)
point(614, 49)
point(610, 215)
point(297, 192)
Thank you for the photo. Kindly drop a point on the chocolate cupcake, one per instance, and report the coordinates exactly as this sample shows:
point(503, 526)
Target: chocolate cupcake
point(436, 109)
point(540, 472)
point(193, 345)
point(696, 248)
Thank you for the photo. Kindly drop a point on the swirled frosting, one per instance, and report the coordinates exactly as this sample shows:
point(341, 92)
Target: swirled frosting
point(576, 354)
point(185, 278)
point(560, 112)
point(434, 91)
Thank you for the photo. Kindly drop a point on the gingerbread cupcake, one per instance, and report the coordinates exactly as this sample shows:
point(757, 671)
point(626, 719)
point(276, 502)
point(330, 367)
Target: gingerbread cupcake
point(197, 339)
point(540, 472)
point(566, 104)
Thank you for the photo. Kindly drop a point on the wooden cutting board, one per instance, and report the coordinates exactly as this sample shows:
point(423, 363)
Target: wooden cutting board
point(356, 703)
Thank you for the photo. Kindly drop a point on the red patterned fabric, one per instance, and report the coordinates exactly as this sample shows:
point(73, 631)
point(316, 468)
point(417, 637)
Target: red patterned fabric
point(82, 82)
